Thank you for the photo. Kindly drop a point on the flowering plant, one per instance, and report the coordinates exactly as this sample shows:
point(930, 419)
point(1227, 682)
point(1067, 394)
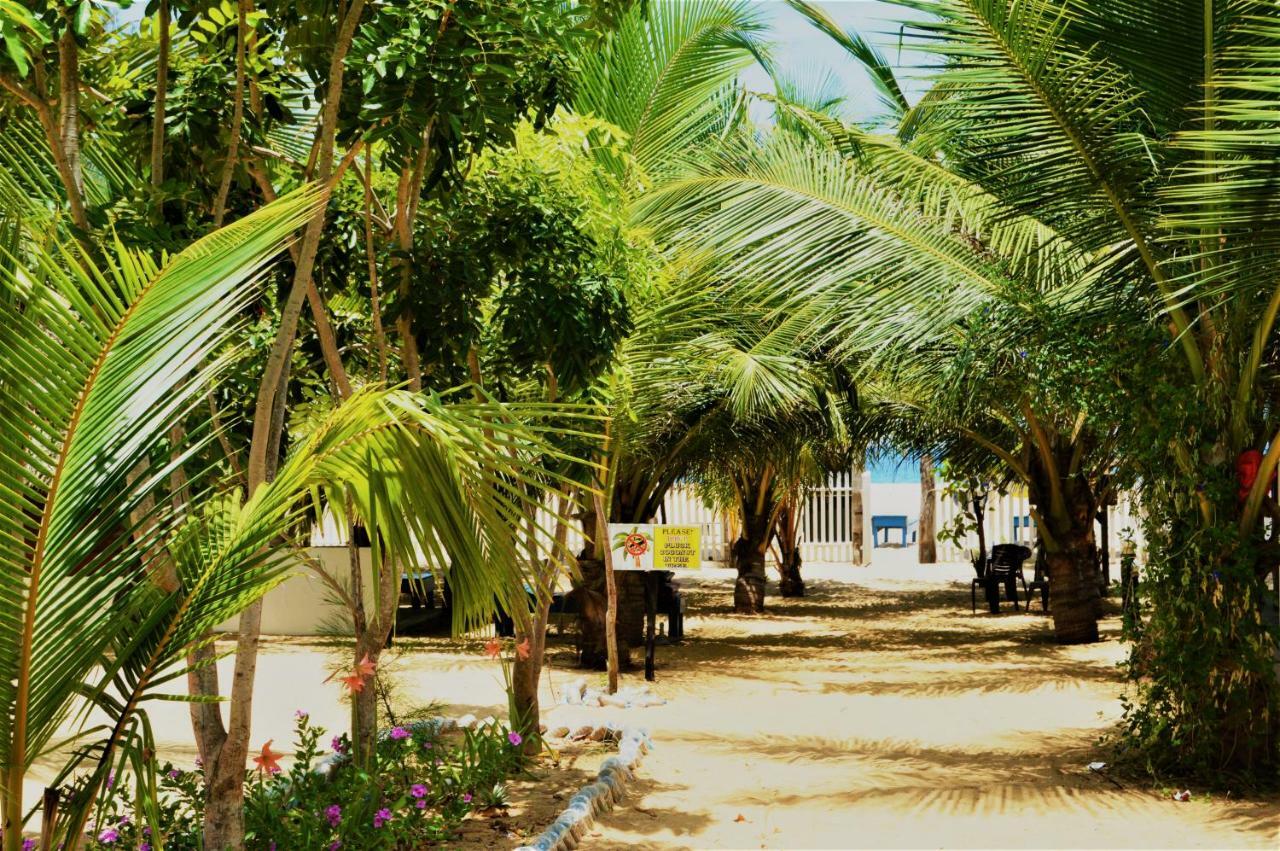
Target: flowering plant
point(426, 783)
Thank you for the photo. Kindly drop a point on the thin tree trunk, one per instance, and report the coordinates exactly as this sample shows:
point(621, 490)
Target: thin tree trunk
point(292, 309)
point(162, 94)
point(928, 512)
point(375, 304)
point(404, 240)
point(319, 312)
point(237, 117)
point(69, 112)
point(224, 818)
point(610, 592)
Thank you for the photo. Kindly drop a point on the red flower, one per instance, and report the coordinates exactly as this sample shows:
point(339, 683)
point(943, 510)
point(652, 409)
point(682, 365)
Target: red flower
point(492, 648)
point(365, 667)
point(267, 761)
point(353, 683)
point(522, 649)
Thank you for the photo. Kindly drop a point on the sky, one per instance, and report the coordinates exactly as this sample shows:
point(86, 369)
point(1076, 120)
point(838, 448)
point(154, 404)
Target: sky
point(804, 54)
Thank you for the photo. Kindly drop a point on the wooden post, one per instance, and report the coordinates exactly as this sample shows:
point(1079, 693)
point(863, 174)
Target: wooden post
point(651, 580)
point(928, 550)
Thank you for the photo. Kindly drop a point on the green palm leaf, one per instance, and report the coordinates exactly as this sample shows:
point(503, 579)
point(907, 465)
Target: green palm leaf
point(100, 358)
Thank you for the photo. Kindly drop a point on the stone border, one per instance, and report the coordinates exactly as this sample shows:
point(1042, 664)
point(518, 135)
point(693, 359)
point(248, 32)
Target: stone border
point(596, 798)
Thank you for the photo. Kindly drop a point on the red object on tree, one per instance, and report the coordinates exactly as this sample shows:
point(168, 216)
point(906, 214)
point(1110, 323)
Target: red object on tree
point(1247, 467)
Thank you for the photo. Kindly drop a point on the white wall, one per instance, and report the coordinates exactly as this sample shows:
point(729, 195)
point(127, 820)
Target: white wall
point(304, 604)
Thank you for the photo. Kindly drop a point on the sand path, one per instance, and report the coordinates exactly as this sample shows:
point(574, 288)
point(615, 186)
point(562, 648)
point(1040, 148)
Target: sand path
point(877, 712)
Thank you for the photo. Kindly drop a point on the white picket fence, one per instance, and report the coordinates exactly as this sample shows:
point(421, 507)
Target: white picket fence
point(827, 522)
point(1008, 520)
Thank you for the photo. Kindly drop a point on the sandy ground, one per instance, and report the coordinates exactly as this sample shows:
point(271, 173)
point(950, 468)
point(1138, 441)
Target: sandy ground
point(876, 712)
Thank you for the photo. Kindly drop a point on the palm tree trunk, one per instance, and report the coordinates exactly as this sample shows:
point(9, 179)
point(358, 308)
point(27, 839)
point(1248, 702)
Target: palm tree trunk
point(787, 534)
point(1071, 555)
point(928, 512)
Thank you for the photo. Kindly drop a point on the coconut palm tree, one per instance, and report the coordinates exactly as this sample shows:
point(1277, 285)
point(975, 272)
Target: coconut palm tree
point(1087, 148)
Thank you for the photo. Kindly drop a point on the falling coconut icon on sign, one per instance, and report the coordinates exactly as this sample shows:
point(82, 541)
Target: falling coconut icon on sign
point(634, 543)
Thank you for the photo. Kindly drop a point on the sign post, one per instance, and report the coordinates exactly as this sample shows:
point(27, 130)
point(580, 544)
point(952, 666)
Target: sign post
point(652, 548)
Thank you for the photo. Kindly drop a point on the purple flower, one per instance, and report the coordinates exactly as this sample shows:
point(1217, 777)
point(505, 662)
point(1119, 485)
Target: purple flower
point(337, 745)
point(514, 738)
point(124, 820)
point(399, 733)
point(381, 817)
point(108, 836)
point(144, 846)
point(333, 813)
point(335, 845)
point(111, 779)
point(174, 774)
point(421, 803)
point(417, 790)
point(28, 845)
point(301, 714)
point(466, 799)
point(426, 746)
point(271, 846)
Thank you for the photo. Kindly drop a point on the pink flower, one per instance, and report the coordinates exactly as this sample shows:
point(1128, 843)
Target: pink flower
point(108, 836)
point(300, 714)
point(174, 774)
point(381, 817)
point(335, 845)
point(514, 738)
point(421, 803)
point(334, 814)
point(398, 733)
point(337, 745)
point(417, 790)
point(466, 799)
point(28, 845)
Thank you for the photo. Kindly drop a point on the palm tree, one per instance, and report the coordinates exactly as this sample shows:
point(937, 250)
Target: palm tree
point(1090, 149)
point(103, 356)
point(666, 78)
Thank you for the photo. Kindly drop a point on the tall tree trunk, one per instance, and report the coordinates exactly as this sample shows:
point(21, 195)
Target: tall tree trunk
point(237, 117)
point(526, 672)
point(371, 256)
point(224, 816)
point(69, 110)
point(928, 512)
point(162, 94)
